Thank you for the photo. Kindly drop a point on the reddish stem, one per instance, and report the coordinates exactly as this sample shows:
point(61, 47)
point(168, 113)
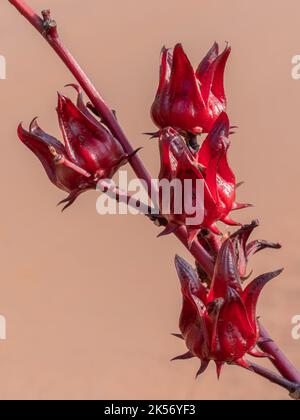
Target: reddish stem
point(292, 387)
point(47, 27)
point(279, 360)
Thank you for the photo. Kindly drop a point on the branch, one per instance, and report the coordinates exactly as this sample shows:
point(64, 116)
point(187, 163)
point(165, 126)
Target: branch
point(292, 387)
point(279, 360)
point(47, 27)
point(121, 197)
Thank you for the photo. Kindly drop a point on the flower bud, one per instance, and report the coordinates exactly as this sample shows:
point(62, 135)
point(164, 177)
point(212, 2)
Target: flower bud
point(189, 100)
point(89, 153)
point(218, 320)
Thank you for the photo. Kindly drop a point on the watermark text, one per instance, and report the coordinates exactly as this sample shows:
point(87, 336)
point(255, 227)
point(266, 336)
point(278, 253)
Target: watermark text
point(296, 327)
point(167, 197)
point(296, 67)
point(2, 327)
point(2, 67)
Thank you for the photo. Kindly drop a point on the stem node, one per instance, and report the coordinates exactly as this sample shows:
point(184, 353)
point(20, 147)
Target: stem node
point(49, 24)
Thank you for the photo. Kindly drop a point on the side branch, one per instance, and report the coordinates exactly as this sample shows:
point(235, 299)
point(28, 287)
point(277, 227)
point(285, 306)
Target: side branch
point(279, 360)
point(292, 387)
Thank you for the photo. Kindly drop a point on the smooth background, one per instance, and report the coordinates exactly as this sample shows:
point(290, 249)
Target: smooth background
point(91, 301)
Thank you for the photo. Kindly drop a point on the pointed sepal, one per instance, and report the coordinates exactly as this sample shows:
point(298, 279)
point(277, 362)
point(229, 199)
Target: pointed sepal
point(202, 369)
point(252, 293)
point(242, 363)
point(258, 354)
point(170, 228)
point(219, 366)
point(185, 356)
point(180, 336)
point(190, 282)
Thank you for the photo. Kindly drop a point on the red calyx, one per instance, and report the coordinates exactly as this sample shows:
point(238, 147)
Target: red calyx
point(89, 153)
point(186, 99)
point(219, 322)
point(210, 165)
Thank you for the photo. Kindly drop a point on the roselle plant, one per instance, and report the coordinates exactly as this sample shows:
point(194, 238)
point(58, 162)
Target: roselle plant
point(218, 322)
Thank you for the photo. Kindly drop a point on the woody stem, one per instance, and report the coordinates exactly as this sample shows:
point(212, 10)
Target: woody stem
point(279, 360)
point(292, 387)
point(48, 29)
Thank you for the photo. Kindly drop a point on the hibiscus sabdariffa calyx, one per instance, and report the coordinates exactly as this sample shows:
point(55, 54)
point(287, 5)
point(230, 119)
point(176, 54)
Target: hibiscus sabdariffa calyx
point(218, 320)
point(88, 154)
point(209, 165)
point(187, 99)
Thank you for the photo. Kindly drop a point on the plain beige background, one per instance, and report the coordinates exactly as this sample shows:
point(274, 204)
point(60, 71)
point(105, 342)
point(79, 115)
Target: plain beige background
point(91, 301)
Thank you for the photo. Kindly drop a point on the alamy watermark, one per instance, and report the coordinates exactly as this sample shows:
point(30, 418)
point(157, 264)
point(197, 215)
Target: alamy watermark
point(2, 327)
point(2, 67)
point(166, 197)
point(296, 327)
point(296, 67)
